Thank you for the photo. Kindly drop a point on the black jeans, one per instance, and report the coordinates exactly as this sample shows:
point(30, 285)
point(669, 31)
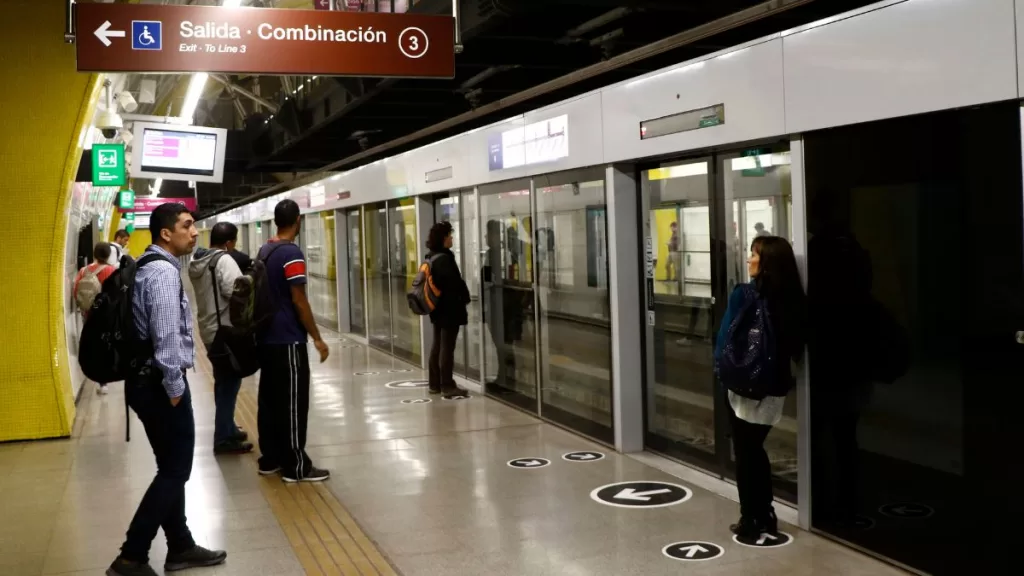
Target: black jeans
point(172, 434)
point(753, 469)
point(283, 411)
point(442, 358)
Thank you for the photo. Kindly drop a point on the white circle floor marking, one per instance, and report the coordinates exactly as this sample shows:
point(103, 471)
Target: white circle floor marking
point(641, 494)
point(764, 539)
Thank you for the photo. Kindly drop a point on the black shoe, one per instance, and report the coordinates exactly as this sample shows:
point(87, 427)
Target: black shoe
point(241, 436)
point(196, 557)
point(122, 567)
point(434, 391)
point(267, 469)
point(232, 447)
point(456, 394)
point(314, 475)
point(746, 528)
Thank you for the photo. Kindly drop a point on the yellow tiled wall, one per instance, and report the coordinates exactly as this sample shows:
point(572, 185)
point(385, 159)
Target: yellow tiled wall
point(45, 104)
point(138, 241)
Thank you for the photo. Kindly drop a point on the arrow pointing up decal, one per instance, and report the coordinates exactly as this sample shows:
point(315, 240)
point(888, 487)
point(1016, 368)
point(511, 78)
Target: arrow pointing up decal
point(104, 33)
point(693, 550)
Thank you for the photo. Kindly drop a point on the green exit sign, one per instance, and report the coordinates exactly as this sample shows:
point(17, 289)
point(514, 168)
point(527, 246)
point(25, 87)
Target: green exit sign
point(108, 165)
point(126, 200)
point(129, 228)
point(130, 218)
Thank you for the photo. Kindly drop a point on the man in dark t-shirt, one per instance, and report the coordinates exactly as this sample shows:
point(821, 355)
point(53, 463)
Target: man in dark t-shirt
point(284, 376)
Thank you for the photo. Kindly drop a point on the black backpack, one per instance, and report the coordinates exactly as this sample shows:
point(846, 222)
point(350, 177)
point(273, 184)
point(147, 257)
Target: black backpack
point(424, 296)
point(233, 351)
point(109, 349)
point(747, 363)
point(251, 308)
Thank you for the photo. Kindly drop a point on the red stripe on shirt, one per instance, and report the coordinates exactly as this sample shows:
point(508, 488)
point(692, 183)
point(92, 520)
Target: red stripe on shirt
point(294, 269)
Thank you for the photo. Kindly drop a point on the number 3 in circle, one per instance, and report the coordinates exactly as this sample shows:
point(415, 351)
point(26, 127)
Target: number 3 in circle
point(413, 42)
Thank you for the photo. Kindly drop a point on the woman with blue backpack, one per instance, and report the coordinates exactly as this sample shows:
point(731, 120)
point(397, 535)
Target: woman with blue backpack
point(763, 333)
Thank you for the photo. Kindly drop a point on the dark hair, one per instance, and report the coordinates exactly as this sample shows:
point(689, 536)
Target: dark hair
point(222, 233)
point(165, 217)
point(778, 281)
point(438, 232)
point(121, 234)
point(101, 252)
point(286, 213)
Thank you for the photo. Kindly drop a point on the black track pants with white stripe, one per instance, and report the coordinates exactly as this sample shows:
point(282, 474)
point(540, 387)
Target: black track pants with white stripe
point(284, 409)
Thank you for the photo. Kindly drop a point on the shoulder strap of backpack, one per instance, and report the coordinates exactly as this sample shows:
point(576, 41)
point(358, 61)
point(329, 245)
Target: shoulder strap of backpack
point(271, 251)
point(213, 278)
point(153, 257)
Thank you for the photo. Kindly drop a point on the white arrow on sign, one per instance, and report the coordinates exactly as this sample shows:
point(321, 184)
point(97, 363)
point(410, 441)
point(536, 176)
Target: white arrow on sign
point(765, 537)
point(693, 549)
point(632, 494)
point(104, 33)
point(531, 463)
point(583, 456)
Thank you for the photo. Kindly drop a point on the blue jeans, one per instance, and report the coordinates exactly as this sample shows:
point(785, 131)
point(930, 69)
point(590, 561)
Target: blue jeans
point(225, 394)
point(171, 432)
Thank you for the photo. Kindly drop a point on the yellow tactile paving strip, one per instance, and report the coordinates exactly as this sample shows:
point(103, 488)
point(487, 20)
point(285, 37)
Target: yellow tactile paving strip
point(325, 538)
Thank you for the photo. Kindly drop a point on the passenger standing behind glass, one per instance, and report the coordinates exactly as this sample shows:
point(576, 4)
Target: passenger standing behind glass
point(450, 314)
point(776, 279)
point(502, 314)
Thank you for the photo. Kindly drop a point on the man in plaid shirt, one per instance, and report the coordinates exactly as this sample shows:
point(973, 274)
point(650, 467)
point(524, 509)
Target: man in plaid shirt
point(160, 397)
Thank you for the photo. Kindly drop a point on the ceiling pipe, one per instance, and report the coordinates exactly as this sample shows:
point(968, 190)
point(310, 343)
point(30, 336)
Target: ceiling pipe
point(730, 22)
point(236, 89)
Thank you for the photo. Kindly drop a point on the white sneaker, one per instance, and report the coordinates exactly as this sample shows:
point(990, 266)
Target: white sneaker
point(102, 391)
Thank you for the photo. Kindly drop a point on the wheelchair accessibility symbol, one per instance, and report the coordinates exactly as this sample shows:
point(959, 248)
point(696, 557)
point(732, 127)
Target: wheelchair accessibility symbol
point(147, 35)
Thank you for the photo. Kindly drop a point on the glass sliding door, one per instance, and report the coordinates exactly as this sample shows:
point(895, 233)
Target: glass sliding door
point(470, 246)
point(356, 302)
point(676, 223)
point(448, 208)
point(322, 287)
point(756, 188)
point(510, 356)
point(573, 312)
point(378, 276)
point(402, 238)
point(459, 208)
point(700, 216)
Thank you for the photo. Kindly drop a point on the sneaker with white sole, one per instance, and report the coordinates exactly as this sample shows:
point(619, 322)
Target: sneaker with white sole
point(102, 390)
point(314, 475)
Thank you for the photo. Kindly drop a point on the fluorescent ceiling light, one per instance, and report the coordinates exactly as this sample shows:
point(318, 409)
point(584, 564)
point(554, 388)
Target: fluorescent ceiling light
point(155, 188)
point(192, 96)
point(232, 3)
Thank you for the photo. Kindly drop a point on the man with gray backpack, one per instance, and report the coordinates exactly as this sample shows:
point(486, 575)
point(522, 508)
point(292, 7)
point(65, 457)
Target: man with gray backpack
point(89, 283)
point(213, 278)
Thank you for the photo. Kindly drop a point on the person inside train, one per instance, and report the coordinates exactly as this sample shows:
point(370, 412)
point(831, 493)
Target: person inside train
point(772, 306)
point(450, 314)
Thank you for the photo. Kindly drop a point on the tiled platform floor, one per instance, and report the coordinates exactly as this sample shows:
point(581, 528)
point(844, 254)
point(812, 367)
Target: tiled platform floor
point(428, 483)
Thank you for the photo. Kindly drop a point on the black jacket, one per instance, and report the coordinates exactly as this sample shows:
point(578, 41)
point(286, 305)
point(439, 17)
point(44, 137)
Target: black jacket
point(451, 309)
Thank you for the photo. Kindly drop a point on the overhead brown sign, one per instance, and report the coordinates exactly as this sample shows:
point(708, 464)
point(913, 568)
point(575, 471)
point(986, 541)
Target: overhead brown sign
point(151, 38)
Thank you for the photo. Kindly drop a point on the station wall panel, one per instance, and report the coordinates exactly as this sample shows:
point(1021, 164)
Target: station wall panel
point(907, 58)
point(747, 81)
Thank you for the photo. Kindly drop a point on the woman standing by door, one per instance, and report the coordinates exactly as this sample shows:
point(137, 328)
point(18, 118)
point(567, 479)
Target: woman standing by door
point(449, 315)
point(764, 326)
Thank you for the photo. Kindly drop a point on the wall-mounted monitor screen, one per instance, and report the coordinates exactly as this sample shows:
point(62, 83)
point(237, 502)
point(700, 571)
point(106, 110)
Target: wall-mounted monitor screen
point(536, 143)
point(178, 152)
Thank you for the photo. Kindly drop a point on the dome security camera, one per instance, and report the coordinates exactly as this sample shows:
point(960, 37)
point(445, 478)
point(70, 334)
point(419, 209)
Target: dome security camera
point(109, 124)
